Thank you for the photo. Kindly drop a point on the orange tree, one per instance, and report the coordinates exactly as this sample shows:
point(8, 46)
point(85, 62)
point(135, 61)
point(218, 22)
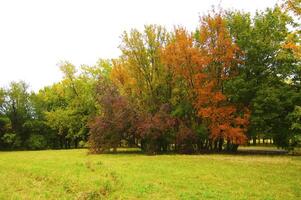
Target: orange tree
point(220, 58)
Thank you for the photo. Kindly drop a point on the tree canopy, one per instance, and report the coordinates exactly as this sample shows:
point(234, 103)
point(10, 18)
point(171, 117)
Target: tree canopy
point(235, 79)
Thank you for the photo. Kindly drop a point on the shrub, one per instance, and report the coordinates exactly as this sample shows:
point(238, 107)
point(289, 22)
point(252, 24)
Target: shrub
point(186, 140)
point(11, 140)
point(36, 142)
point(157, 131)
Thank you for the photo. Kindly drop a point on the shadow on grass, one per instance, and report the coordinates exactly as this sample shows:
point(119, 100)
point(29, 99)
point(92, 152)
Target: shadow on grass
point(275, 152)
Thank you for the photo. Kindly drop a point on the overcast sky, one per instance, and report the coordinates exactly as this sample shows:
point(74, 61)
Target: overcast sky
point(35, 35)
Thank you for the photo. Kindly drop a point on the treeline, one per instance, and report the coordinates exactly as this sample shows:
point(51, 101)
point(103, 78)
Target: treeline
point(234, 79)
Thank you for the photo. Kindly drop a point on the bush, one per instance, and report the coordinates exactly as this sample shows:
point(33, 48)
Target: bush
point(82, 144)
point(186, 140)
point(36, 142)
point(157, 131)
point(11, 140)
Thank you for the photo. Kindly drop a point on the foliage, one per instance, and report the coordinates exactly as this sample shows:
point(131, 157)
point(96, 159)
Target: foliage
point(269, 79)
point(220, 60)
point(157, 131)
point(293, 6)
point(186, 139)
point(36, 142)
point(295, 122)
point(141, 58)
point(115, 122)
point(234, 79)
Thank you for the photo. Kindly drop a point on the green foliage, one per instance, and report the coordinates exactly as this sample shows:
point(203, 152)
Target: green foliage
point(2, 99)
point(271, 107)
point(36, 142)
point(17, 108)
point(295, 123)
point(267, 79)
point(66, 106)
point(11, 140)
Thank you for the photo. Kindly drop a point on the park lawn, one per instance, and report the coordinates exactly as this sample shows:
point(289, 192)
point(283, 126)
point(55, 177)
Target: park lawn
point(73, 174)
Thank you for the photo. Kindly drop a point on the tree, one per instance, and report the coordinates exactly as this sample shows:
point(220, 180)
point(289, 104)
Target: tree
point(270, 68)
point(271, 108)
point(18, 109)
point(68, 105)
point(234, 79)
point(2, 99)
point(182, 58)
point(3, 119)
point(141, 57)
point(115, 122)
point(293, 6)
point(220, 61)
point(295, 122)
point(157, 131)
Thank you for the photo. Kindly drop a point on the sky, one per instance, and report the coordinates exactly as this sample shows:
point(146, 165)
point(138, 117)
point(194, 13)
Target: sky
point(36, 35)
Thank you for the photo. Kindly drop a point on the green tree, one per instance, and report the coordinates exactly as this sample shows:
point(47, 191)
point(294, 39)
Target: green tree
point(68, 105)
point(18, 109)
point(295, 126)
point(269, 70)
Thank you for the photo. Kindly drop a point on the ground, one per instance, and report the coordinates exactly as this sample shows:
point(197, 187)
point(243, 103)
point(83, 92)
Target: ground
point(73, 174)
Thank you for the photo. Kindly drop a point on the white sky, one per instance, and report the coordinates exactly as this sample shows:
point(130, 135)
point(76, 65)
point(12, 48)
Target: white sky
point(35, 35)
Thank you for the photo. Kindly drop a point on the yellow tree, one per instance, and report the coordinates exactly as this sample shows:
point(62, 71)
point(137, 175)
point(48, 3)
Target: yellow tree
point(294, 6)
point(141, 59)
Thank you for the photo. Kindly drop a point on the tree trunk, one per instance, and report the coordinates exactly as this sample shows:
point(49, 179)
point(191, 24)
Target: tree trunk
point(254, 140)
point(220, 144)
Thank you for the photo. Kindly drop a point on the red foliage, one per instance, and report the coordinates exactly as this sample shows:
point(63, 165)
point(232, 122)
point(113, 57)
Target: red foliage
point(116, 122)
point(186, 140)
point(155, 131)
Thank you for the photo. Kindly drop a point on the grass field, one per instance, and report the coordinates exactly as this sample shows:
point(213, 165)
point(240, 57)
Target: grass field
point(72, 174)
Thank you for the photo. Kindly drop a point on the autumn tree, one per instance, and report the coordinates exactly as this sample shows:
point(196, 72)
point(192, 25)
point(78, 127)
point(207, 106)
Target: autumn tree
point(141, 58)
point(126, 84)
point(182, 58)
point(157, 132)
point(237, 77)
point(220, 60)
point(293, 6)
point(116, 121)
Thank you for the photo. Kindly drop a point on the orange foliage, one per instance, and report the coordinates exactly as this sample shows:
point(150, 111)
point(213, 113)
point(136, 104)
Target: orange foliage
point(182, 57)
point(296, 49)
point(205, 64)
point(121, 77)
point(219, 63)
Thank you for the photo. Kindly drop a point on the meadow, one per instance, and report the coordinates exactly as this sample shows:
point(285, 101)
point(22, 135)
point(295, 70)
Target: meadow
point(75, 174)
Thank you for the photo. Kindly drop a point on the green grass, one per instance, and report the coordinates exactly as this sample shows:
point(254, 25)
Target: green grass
point(72, 174)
